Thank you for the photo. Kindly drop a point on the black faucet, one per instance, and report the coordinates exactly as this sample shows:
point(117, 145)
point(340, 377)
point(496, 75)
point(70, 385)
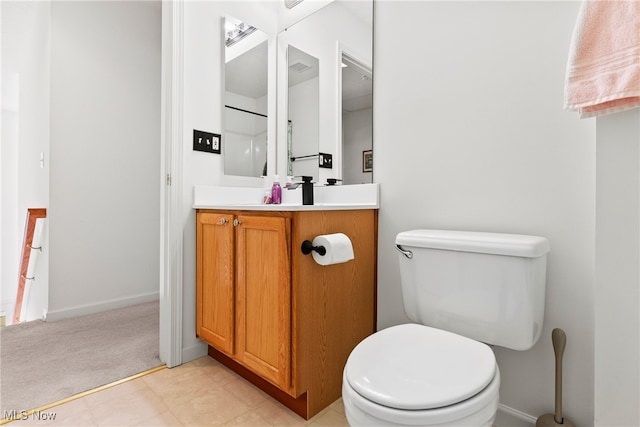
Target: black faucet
point(307, 188)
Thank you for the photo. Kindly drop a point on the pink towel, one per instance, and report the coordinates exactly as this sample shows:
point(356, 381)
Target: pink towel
point(603, 72)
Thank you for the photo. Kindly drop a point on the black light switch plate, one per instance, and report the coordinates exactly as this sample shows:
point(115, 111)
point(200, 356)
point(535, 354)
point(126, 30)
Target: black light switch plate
point(325, 160)
point(206, 141)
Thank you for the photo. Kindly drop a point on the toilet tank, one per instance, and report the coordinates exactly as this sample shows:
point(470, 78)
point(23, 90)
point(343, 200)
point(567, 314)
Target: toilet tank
point(486, 286)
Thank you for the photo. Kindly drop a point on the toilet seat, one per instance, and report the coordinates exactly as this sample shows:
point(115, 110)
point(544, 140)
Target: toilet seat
point(476, 411)
point(417, 375)
point(416, 367)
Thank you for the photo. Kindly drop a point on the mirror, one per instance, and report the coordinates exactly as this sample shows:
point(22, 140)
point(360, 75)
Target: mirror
point(357, 122)
point(341, 31)
point(245, 99)
point(303, 115)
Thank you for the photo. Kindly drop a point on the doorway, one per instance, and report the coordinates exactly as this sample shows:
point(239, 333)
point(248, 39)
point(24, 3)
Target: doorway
point(93, 156)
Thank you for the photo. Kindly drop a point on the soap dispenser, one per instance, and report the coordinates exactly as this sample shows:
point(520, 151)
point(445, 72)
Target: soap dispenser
point(276, 191)
point(307, 190)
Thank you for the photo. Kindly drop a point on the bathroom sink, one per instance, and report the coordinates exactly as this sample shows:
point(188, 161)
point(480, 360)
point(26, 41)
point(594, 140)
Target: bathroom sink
point(340, 197)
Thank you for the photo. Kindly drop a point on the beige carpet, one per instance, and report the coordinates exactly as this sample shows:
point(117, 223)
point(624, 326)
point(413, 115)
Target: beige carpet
point(43, 362)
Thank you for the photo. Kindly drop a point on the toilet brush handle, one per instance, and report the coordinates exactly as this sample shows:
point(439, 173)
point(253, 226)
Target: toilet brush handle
point(559, 339)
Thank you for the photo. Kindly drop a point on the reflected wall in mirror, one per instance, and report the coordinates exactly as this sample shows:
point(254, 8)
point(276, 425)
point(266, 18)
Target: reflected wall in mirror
point(245, 99)
point(357, 121)
point(341, 26)
point(303, 115)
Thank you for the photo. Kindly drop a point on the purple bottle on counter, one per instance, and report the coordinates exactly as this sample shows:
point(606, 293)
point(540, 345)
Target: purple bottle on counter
point(276, 191)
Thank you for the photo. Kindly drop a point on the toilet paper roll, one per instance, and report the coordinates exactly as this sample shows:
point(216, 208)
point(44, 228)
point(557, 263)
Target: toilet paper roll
point(338, 246)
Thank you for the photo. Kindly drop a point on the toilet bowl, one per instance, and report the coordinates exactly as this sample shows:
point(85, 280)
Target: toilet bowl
point(421, 376)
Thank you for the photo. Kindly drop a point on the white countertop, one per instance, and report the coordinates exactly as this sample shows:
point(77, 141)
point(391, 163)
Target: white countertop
point(339, 197)
point(288, 207)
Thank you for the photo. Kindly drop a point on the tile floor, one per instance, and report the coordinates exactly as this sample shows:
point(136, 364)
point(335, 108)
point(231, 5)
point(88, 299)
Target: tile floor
point(199, 393)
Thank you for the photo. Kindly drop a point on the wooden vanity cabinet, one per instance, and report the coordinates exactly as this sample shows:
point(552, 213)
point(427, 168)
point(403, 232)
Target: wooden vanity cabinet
point(244, 290)
point(215, 291)
point(274, 315)
point(263, 297)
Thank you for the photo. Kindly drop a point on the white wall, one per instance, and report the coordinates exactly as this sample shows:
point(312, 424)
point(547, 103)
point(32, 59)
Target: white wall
point(469, 133)
point(25, 135)
point(105, 155)
point(617, 296)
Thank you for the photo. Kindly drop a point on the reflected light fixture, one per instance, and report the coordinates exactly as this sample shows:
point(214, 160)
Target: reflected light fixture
point(292, 3)
point(234, 32)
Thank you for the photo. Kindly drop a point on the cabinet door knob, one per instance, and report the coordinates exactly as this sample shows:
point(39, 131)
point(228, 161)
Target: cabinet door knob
point(236, 222)
point(223, 221)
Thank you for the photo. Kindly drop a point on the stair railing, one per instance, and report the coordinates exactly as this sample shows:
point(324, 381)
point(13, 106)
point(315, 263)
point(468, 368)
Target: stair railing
point(33, 214)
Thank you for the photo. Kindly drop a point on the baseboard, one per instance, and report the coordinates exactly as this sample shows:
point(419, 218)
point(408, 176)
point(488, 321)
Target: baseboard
point(194, 352)
point(82, 310)
point(6, 312)
point(509, 417)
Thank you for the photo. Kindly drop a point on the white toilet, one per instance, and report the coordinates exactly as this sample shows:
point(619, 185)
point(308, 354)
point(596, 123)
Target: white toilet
point(464, 290)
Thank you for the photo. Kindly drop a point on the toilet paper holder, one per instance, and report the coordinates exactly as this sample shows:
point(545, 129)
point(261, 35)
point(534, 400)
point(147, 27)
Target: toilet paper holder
point(307, 248)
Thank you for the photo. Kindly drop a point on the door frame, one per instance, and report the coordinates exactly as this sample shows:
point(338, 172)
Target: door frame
point(171, 237)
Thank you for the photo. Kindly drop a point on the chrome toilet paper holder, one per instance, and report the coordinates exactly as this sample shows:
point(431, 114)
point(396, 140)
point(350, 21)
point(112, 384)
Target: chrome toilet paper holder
point(307, 248)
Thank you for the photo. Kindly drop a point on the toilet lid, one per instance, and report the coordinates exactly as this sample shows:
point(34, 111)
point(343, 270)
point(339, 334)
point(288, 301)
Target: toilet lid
point(418, 367)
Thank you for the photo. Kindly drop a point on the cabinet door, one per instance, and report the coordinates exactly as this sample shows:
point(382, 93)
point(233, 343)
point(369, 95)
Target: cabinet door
point(263, 319)
point(215, 280)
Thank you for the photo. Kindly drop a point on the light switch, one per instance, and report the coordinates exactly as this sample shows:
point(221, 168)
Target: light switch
point(207, 142)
